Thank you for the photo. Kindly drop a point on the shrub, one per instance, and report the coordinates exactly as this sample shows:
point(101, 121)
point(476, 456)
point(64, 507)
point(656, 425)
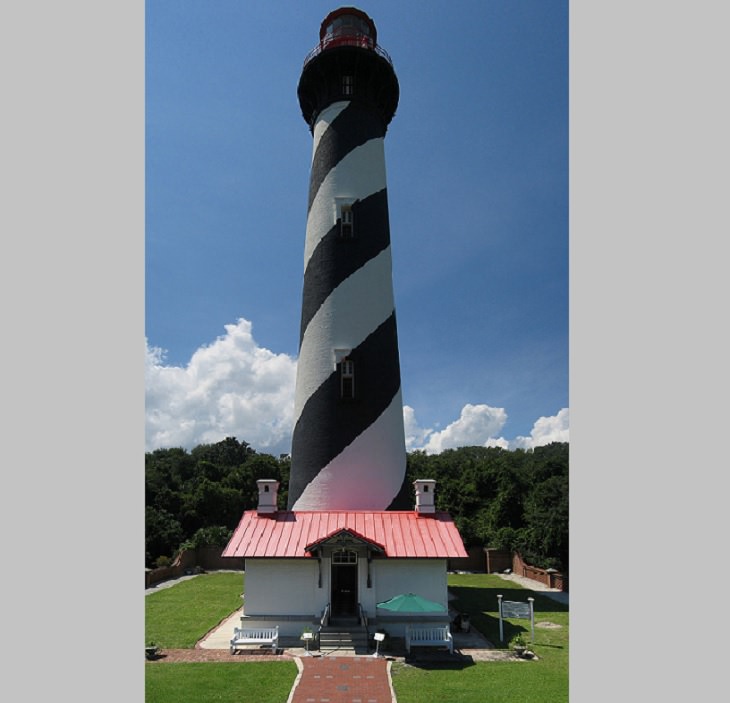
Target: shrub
point(208, 536)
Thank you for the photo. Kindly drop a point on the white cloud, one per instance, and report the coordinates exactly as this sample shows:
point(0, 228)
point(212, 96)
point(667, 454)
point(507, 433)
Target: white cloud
point(235, 388)
point(475, 426)
point(480, 425)
point(231, 388)
point(415, 436)
point(546, 430)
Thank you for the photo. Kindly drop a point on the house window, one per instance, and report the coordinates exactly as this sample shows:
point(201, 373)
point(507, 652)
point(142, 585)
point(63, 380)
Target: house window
point(346, 221)
point(348, 85)
point(347, 379)
point(344, 556)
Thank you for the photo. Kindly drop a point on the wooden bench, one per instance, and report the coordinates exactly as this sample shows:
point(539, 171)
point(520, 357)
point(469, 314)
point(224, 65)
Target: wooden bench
point(243, 636)
point(430, 636)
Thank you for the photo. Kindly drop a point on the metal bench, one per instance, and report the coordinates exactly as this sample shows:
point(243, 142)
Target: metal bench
point(243, 636)
point(432, 636)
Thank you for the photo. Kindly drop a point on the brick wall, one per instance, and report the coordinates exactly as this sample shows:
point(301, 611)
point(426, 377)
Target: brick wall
point(204, 558)
point(160, 574)
point(552, 579)
point(474, 562)
point(210, 559)
point(497, 560)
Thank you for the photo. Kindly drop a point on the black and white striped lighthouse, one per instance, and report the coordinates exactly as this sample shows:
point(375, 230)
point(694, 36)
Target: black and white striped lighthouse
point(348, 445)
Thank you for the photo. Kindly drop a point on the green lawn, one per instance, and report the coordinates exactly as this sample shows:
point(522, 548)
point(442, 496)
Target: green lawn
point(538, 681)
point(178, 617)
point(250, 682)
point(477, 594)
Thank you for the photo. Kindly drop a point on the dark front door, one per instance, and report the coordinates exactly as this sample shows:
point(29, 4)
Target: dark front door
point(344, 590)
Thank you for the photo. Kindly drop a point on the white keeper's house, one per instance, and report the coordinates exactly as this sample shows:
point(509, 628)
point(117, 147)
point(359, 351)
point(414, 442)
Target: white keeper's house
point(310, 567)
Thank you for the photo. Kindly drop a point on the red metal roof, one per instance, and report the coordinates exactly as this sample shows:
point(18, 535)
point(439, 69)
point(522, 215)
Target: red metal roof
point(399, 533)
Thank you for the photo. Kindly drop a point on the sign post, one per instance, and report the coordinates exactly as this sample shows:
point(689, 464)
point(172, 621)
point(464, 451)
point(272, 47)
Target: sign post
point(307, 636)
point(516, 609)
point(379, 637)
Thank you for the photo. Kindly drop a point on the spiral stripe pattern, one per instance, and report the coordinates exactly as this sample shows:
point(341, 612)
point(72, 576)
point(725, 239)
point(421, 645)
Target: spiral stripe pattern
point(347, 453)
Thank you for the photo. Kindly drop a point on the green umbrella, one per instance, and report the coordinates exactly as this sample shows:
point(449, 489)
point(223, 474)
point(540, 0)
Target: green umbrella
point(411, 603)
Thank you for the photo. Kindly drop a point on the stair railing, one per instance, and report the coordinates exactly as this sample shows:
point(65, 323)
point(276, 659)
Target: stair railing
point(364, 621)
point(325, 618)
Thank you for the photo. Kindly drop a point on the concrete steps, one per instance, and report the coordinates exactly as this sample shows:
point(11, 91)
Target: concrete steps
point(343, 639)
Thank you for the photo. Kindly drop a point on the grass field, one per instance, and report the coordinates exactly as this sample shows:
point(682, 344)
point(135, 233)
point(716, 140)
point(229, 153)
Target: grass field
point(178, 617)
point(538, 681)
point(252, 682)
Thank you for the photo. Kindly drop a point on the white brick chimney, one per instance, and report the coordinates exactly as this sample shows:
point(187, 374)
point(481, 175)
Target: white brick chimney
point(268, 492)
point(425, 488)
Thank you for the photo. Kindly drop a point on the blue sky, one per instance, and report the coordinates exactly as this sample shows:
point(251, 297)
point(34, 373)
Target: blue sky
point(477, 168)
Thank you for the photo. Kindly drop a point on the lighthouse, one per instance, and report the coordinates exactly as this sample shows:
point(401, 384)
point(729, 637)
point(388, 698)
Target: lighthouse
point(351, 537)
point(348, 442)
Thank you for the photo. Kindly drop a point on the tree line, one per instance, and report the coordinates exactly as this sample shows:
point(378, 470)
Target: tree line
point(506, 499)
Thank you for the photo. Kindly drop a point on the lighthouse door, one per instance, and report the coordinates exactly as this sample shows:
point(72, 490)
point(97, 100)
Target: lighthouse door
point(344, 583)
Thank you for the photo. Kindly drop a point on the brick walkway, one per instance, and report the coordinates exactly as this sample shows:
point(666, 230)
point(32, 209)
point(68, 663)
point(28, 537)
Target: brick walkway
point(343, 680)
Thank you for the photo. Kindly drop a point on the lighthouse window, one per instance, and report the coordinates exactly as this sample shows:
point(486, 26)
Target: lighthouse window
point(346, 221)
point(348, 85)
point(347, 379)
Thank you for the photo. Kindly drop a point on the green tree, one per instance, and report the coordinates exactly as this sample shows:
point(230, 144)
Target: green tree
point(214, 536)
point(163, 534)
point(546, 517)
point(510, 499)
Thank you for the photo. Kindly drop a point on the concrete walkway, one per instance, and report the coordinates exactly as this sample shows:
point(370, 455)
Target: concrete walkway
point(220, 637)
point(553, 593)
